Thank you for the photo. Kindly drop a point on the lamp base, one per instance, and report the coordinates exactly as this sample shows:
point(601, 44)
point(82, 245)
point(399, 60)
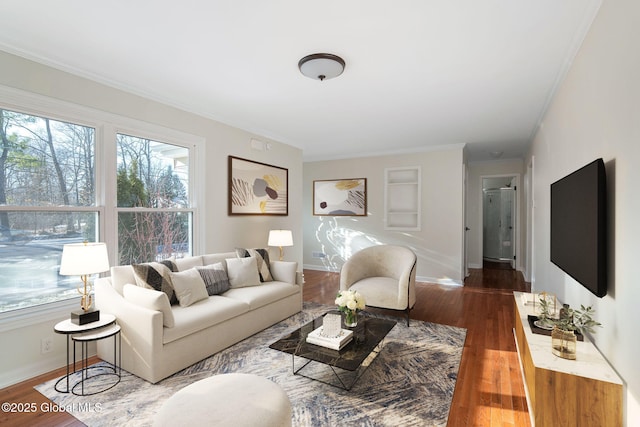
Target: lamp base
point(81, 317)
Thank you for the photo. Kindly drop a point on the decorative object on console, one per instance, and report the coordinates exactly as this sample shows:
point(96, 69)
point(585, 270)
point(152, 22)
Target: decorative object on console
point(350, 302)
point(321, 66)
point(563, 343)
point(532, 319)
point(84, 260)
point(280, 238)
point(545, 320)
point(341, 197)
point(563, 337)
point(544, 301)
point(257, 188)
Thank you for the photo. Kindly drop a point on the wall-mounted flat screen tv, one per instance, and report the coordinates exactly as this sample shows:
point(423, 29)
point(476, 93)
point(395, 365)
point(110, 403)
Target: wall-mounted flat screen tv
point(579, 226)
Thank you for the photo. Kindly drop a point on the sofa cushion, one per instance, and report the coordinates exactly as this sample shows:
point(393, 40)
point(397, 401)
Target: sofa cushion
point(262, 261)
point(202, 315)
point(380, 292)
point(184, 264)
point(156, 275)
point(120, 276)
point(215, 278)
point(189, 287)
point(242, 272)
point(150, 299)
point(258, 296)
point(209, 259)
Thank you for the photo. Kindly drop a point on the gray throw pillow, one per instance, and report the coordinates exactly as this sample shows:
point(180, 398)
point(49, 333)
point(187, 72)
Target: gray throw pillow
point(215, 278)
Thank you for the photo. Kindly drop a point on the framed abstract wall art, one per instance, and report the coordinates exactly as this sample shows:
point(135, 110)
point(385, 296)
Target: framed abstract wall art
point(257, 188)
point(340, 197)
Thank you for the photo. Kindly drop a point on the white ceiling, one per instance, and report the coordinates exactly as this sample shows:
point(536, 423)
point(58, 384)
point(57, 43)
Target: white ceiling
point(420, 74)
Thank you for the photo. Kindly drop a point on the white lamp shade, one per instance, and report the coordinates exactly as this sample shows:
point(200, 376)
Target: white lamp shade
point(280, 238)
point(79, 259)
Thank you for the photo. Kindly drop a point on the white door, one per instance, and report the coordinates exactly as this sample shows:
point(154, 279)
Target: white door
point(499, 219)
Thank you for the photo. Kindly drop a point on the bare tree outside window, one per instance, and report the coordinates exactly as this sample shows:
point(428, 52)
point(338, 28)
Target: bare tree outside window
point(47, 199)
point(154, 219)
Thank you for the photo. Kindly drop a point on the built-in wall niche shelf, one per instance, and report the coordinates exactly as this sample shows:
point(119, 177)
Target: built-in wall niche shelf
point(402, 190)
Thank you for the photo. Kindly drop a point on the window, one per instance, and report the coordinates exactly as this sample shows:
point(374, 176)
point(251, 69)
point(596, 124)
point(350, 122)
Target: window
point(154, 214)
point(79, 179)
point(47, 199)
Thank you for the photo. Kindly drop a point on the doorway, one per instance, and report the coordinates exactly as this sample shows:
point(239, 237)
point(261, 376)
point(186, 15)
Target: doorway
point(498, 217)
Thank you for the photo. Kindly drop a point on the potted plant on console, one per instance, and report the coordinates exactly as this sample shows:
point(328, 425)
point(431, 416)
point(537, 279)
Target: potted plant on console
point(545, 320)
point(563, 337)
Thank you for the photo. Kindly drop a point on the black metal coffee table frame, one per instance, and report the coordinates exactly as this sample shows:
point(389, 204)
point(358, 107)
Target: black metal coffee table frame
point(348, 364)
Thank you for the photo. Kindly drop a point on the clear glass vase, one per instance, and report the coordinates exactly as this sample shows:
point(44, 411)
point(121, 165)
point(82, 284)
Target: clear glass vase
point(563, 343)
point(351, 318)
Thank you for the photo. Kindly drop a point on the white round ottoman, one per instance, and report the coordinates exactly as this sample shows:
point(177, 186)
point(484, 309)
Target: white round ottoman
point(236, 400)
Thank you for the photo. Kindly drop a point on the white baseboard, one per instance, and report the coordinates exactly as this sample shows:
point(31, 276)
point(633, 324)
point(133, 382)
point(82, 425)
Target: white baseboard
point(424, 279)
point(32, 370)
point(29, 371)
point(439, 281)
point(318, 268)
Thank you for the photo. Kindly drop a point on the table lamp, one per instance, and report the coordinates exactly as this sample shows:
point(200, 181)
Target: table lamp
point(84, 259)
point(280, 238)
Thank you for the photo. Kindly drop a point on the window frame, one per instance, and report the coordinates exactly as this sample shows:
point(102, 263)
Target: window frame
point(106, 126)
point(165, 139)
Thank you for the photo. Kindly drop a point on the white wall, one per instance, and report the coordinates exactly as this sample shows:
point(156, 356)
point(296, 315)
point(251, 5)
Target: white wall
point(220, 232)
point(477, 170)
point(438, 244)
point(596, 113)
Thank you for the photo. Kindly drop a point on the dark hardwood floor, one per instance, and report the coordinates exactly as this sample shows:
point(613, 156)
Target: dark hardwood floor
point(489, 390)
point(24, 394)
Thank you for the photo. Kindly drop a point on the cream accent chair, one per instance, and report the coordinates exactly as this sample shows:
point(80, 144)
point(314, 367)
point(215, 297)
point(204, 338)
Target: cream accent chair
point(385, 275)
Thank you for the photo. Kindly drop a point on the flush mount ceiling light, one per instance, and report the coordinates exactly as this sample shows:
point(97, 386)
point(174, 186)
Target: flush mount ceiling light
point(321, 66)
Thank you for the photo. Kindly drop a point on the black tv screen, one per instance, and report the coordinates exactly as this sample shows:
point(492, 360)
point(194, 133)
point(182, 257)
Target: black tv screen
point(579, 226)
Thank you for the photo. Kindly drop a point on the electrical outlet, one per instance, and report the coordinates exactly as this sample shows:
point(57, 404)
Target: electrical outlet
point(46, 345)
point(318, 255)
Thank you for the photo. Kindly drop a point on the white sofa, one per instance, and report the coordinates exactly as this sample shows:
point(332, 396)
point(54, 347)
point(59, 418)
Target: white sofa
point(153, 351)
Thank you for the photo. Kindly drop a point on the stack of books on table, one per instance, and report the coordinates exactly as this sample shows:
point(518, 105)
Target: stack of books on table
point(343, 338)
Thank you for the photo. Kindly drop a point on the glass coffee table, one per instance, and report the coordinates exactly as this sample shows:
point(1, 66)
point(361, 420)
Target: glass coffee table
point(338, 368)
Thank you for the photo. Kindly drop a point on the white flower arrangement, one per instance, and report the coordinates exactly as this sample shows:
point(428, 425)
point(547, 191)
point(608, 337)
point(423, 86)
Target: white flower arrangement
point(350, 301)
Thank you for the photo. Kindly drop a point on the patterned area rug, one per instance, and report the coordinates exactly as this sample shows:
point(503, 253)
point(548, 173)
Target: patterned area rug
point(410, 383)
